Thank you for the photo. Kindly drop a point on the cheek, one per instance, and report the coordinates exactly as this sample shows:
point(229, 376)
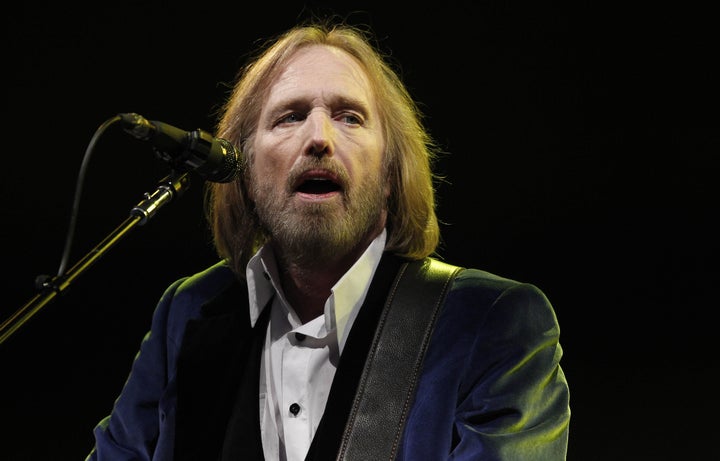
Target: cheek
point(273, 153)
point(265, 163)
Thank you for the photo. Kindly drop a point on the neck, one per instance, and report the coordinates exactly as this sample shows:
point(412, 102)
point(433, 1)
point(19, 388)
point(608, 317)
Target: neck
point(307, 284)
point(307, 291)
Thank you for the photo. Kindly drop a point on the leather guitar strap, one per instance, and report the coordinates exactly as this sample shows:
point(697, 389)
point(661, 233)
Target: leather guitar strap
point(387, 385)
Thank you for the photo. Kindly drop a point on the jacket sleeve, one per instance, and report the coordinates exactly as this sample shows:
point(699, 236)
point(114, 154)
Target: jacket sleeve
point(135, 429)
point(514, 400)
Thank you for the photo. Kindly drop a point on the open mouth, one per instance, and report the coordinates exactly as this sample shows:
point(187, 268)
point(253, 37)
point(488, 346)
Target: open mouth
point(318, 181)
point(318, 186)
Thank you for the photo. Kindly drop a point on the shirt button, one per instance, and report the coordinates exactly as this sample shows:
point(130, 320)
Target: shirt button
point(294, 409)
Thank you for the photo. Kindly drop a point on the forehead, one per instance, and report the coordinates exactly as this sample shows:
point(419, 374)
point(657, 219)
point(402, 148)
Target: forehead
point(321, 71)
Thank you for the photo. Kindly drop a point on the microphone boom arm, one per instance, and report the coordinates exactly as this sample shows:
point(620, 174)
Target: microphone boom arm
point(171, 186)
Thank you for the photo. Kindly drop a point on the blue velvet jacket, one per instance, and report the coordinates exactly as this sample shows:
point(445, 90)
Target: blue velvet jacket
point(491, 386)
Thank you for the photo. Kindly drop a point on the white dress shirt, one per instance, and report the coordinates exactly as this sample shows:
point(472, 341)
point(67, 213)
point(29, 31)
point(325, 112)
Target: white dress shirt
point(299, 361)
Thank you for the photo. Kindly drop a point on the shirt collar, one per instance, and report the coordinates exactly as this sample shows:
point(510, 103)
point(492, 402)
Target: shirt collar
point(347, 295)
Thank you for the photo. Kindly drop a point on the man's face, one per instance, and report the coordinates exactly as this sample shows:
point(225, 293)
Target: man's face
point(317, 173)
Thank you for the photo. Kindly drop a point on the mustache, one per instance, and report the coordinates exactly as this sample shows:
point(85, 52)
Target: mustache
point(337, 171)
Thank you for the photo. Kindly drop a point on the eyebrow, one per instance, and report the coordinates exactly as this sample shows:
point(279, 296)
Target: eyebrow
point(335, 102)
point(354, 103)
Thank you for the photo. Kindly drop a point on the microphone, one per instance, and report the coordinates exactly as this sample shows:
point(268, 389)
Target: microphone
point(214, 159)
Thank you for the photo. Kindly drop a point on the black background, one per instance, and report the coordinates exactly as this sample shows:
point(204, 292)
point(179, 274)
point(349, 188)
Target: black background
point(582, 145)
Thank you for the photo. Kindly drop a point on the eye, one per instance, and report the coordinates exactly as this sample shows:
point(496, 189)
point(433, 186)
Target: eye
point(350, 119)
point(292, 117)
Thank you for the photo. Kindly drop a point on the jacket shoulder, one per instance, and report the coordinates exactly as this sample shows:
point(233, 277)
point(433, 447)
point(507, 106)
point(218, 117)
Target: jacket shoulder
point(190, 297)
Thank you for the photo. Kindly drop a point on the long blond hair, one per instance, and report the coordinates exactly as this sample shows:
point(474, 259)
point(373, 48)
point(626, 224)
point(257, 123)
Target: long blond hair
point(413, 229)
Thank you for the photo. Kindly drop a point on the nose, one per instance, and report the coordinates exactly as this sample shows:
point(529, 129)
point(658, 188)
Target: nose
point(320, 133)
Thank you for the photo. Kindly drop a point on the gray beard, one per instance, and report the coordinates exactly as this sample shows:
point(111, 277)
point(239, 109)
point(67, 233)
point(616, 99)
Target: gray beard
point(322, 232)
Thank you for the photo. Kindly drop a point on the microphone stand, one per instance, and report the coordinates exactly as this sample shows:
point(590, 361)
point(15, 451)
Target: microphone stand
point(172, 185)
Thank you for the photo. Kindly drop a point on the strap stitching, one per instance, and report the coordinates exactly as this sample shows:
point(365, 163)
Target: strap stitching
point(373, 350)
point(418, 363)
